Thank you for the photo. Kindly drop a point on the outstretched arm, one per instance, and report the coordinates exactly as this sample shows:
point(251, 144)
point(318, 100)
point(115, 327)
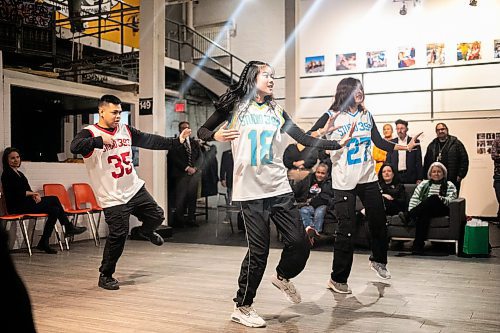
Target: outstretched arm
point(153, 141)
point(307, 140)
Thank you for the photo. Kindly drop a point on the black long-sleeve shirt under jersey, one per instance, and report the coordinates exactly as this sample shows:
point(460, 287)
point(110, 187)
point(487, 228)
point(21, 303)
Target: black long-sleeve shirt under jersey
point(207, 130)
point(84, 143)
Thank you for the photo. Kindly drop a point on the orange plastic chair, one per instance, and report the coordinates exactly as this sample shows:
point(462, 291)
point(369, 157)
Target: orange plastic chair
point(21, 219)
point(84, 196)
point(60, 192)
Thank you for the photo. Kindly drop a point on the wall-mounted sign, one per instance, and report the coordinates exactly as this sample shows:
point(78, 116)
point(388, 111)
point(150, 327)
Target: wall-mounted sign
point(145, 106)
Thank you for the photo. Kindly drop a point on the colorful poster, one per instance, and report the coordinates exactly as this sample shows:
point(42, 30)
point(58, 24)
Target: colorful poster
point(376, 59)
point(496, 47)
point(346, 61)
point(315, 64)
point(469, 51)
point(435, 54)
point(406, 57)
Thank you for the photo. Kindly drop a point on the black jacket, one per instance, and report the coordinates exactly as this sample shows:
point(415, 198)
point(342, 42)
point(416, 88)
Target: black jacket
point(292, 154)
point(226, 168)
point(304, 195)
point(14, 188)
point(178, 158)
point(453, 156)
point(414, 168)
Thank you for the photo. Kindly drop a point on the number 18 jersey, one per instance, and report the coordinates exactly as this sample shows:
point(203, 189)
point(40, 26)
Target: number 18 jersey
point(353, 164)
point(111, 170)
point(259, 171)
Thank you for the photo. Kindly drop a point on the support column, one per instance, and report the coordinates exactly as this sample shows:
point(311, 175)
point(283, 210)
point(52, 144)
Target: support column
point(292, 74)
point(152, 167)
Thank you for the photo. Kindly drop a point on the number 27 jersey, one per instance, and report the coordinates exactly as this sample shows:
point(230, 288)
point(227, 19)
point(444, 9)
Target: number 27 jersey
point(353, 164)
point(111, 170)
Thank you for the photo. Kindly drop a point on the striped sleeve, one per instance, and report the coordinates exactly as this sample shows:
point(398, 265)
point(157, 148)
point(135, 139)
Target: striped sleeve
point(451, 194)
point(415, 198)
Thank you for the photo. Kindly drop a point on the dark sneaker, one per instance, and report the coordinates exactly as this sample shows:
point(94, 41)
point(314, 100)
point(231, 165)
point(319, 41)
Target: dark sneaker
point(381, 269)
point(153, 237)
point(46, 248)
point(71, 231)
point(312, 234)
point(108, 282)
point(341, 288)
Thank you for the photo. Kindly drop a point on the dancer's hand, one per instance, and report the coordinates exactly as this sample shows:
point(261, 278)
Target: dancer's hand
point(347, 137)
point(413, 142)
point(186, 133)
point(328, 128)
point(224, 134)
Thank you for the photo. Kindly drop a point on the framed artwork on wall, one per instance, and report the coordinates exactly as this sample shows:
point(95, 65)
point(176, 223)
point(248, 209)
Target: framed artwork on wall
point(345, 61)
point(435, 54)
point(315, 64)
point(406, 57)
point(376, 59)
point(496, 48)
point(469, 51)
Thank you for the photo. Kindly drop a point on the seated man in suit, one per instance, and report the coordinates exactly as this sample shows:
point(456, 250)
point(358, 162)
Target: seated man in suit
point(407, 164)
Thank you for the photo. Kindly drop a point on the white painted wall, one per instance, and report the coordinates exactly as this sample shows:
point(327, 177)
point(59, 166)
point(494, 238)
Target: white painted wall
point(367, 25)
point(259, 27)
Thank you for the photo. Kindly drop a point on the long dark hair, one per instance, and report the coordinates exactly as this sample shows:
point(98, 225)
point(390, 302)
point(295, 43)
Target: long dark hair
point(344, 96)
point(243, 90)
point(395, 179)
point(5, 156)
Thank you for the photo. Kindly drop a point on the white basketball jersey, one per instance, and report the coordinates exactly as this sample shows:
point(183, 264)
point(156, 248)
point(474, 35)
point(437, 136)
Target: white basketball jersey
point(353, 164)
point(111, 170)
point(259, 171)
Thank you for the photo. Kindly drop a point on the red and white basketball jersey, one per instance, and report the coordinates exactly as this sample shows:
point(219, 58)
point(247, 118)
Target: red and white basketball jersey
point(111, 170)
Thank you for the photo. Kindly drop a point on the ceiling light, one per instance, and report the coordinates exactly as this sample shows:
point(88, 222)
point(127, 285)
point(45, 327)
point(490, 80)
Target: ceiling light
point(473, 3)
point(402, 11)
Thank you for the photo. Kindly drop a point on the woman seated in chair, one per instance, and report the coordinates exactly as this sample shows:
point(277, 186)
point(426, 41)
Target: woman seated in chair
point(393, 192)
point(20, 199)
point(431, 198)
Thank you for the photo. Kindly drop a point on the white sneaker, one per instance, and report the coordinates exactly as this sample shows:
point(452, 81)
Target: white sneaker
point(287, 287)
point(246, 315)
point(381, 269)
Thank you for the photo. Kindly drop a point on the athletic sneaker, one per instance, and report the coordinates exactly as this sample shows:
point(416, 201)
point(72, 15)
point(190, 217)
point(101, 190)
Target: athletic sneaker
point(287, 287)
point(312, 234)
point(381, 269)
point(246, 315)
point(341, 288)
point(108, 282)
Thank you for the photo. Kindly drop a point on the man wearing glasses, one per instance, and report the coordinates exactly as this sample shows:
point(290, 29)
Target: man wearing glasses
point(450, 151)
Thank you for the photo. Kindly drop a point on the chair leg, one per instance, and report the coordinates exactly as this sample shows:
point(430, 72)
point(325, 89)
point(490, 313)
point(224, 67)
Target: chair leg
point(56, 229)
point(93, 227)
point(25, 235)
point(231, 224)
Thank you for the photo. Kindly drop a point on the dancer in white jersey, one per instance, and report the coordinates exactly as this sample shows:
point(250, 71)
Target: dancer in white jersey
point(353, 175)
point(255, 124)
point(107, 151)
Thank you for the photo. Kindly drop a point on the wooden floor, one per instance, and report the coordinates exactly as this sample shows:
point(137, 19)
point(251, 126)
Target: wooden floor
point(189, 288)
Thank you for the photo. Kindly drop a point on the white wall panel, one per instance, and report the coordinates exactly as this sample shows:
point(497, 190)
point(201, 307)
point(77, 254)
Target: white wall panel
point(467, 76)
point(404, 80)
point(466, 100)
point(397, 104)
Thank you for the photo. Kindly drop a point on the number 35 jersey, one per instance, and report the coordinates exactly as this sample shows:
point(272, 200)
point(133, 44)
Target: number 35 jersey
point(111, 170)
point(353, 164)
point(259, 171)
